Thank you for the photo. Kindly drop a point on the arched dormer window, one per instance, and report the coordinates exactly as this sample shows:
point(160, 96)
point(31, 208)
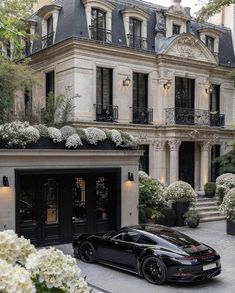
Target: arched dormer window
point(99, 19)
point(135, 23)
point(210, 37)
point(49, 15)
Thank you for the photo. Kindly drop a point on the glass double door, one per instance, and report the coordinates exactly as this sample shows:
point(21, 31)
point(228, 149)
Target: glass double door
point(53, 209)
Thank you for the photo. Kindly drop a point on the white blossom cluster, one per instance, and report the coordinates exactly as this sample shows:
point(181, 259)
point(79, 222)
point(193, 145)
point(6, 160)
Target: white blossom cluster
point(19, 133)
point(15, 279)
point(14, 249)
point(142, 175)
point(228, 204)
point(226, 181)
point(73, 141)
point(67, 131)
point(55, 134)
point(93, 135)
point(56, 270)
point(180, 191)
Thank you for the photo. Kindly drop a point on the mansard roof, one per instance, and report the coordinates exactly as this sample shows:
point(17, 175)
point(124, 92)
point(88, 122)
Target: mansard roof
point(72, 23)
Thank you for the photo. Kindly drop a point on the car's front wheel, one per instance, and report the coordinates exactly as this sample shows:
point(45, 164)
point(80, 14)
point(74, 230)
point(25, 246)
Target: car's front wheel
point(154, 270)
point(87, 252)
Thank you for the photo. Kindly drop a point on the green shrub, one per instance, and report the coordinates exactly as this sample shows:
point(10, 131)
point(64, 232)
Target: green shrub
point(220, 193)
point(210, 188)
point(192, 218)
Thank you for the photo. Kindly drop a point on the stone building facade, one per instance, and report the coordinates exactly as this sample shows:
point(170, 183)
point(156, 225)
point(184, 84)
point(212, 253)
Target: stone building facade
point(143, 68)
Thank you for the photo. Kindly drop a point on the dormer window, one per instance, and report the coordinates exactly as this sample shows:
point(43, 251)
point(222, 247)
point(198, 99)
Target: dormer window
point(98, 25)
point(175, 29)
point(48, 38)
point(135, 39)
point(210, 43)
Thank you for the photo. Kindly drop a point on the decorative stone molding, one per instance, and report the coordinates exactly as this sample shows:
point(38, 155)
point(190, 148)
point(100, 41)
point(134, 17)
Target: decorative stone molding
point(205, 146)
point(194, 134)
point(174, 144)
point(159, 145)
point(160, 23)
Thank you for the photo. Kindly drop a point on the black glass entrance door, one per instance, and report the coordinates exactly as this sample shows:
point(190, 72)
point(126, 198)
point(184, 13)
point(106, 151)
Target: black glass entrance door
point(184, 100)
point(55, 208)
point(187, 162)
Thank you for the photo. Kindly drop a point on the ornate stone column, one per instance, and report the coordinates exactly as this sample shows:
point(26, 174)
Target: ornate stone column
point(160, 169)
point(204, 176)
point(174, 159)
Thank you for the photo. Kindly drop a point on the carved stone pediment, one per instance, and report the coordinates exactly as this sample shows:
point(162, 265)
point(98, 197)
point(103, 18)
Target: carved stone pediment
point(189, 47)
point(178, 11)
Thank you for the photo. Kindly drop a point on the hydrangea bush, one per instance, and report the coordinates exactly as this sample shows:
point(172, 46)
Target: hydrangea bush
point(228, 205)
point(180, 191)
point(93, 135)
point(24, 269)
point(73, 141)
point(55, 134)
point(67, 131)
point(224, 183)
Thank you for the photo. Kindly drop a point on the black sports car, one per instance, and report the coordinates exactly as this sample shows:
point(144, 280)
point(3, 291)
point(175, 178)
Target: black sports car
point(157, 253)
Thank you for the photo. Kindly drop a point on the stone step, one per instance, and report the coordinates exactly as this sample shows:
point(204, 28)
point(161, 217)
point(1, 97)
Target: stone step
point(206, 199)
point(205, 208)
point(205, 204)
point(210, 213)
point(211, 219)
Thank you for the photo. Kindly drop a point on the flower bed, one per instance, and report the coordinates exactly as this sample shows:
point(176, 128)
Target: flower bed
point(24, 269)
point(22, 135)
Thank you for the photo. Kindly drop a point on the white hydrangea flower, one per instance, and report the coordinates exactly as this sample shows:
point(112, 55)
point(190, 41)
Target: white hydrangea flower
point(142, 175)
point(31, 133)
point(42, 130)
point(93, 135)
point(55, 134)
point(220, 180)
point(228, 204)
point(15, 279)
point(116, 137)
point(56, 270)
point(73, 141)
point(180, 191)
point(67, 131)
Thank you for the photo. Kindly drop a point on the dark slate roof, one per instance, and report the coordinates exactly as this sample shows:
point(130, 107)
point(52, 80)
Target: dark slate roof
point(72, 23)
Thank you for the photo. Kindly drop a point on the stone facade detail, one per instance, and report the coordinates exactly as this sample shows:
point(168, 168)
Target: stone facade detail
point(174, 144)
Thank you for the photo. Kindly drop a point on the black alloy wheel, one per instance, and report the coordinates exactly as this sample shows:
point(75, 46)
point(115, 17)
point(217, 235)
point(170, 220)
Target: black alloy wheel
point(87, 252)
point(154, 270)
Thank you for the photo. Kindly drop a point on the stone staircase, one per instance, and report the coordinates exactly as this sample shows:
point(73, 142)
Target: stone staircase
point(208, 210)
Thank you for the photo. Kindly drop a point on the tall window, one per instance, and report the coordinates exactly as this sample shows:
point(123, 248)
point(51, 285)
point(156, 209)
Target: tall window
point(215, 98)
point(215, 167)
point(48, 39)
point(135, 33)
point(184, 92)
point(210, 43)
point(144, 160)
point(175, 29)
point(140, 90)
point(104, 86)
point(98, 25)
point(28, 101)
point(50, 83)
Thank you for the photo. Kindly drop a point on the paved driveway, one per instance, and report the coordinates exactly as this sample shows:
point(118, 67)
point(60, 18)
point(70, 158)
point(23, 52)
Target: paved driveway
point(105, 279)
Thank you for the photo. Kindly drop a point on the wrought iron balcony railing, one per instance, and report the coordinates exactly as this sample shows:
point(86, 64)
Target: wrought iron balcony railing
point(100, 34)
point(142, 115)
point(106, 113)
point(137, 42)
point(185, 116)
point(48, 40)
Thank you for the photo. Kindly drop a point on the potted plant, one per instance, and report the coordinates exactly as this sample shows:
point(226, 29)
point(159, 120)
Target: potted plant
point(192, 218)
point(228, 207)
point(167, 217)
point(210, 188)
point(182, 195)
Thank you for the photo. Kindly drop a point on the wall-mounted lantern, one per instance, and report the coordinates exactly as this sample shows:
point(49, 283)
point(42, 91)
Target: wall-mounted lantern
point(127, 81)
point(167, 84)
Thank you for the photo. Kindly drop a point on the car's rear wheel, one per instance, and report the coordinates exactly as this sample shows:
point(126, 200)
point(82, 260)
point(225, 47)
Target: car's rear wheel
point(154, 270)
point(87, 252)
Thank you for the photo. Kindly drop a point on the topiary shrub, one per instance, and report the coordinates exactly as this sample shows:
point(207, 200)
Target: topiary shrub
point(192, 218)
point(210, 188)
point(180, 191)
point(228, 205)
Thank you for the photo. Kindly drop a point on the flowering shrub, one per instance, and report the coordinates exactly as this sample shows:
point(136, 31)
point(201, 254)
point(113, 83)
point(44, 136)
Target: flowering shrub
point(180, 191)
point(224, 183)
point(73, 141)
point(142, 175)
point(220, 180)
point(228, 204)
point(43, 131)
point(127, 138)
point(14, 249)
point(15, 279)
point(67, 131)
point(116, 137)
point(50, 268)
point(43, 271)
point(19, 133)
point(55, 134)
point(93, 135)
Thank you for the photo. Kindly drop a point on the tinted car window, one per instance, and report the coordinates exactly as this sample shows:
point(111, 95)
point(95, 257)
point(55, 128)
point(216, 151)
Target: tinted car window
point(119, 236)
point(145, 240)
point(131, 236)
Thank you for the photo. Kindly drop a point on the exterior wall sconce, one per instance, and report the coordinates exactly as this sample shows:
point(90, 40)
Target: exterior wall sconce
point(130, 176)
point(209, 89)
point(5, 181)
point(127, 81)
point(167, 85)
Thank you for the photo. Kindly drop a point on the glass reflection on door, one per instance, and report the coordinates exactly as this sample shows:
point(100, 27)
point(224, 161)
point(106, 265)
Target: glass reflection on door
point(79, 214)
point(102, 199)
point(51, 201)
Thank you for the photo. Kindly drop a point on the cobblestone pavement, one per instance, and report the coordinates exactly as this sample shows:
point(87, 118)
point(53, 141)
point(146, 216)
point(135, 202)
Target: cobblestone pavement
point(105, 279)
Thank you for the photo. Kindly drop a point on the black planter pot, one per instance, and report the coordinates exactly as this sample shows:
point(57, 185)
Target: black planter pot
point(209, 194)
point(46, 143)
point(194, 224)
point(180, 209)
point(230, 227)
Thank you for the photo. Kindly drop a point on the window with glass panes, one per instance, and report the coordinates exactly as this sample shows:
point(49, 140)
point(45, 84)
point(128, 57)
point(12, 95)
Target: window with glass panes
point(98, 24)
point(135, 32)
point(210, 43)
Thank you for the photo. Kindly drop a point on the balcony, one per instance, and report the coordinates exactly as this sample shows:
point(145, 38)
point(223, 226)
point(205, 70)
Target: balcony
point(48, 40)
point(106, 113)
point(184, 116)
point(142, 115)
point(137, 42)
point(100, 34)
